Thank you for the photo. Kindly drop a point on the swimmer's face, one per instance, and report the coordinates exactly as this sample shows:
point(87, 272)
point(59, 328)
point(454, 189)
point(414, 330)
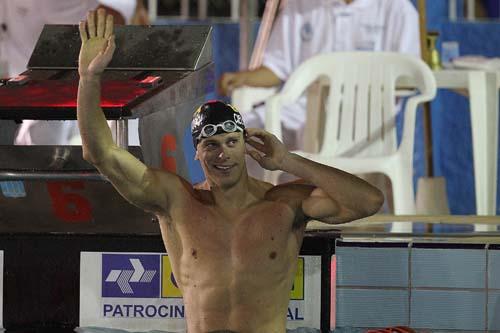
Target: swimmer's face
point(222, 158)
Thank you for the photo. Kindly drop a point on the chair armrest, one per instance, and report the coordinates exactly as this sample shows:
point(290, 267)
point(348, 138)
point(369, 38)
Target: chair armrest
point(246, 98)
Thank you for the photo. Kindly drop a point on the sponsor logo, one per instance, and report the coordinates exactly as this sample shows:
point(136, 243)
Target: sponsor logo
point(169, 288)
point(125, 275)
point(197, 119)
point(172, 311)
point(132, 276)
point(297, 292)
point(144, 286)
point(238, 119)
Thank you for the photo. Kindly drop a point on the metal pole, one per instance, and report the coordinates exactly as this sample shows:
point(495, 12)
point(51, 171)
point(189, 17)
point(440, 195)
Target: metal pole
point(422, 21)
point(471, 10)
point(22, 175)
point(152, 10)
point(264, 32)
point(253, 9)
point(253, 13)
point(452, 10)
point(235, 10)
point(244, 35)
point(122, 133)
point(202, 9)
point(185, 9)
point(429, 167)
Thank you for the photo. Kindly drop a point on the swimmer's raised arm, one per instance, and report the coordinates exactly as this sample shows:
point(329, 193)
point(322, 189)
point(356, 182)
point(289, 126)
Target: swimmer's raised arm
point(338, 197)
point(135, 181)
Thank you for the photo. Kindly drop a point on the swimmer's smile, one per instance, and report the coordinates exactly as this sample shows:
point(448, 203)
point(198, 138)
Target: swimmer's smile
point(224, 168)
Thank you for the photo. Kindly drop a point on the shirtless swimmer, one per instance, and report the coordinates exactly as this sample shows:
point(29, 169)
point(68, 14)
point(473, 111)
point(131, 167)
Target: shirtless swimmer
point(233, 241)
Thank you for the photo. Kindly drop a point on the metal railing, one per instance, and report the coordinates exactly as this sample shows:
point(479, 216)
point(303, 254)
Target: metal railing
point(242, 11)
point(470, 9)
point(202, 9)
point(13, 175)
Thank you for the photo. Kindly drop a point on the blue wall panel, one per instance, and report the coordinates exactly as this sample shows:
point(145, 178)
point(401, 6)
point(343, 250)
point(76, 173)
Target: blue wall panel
point(372, 266)
point(451, 310)
point(448, 268)
point(371, 307)
point(494, 269)
point(494, 310)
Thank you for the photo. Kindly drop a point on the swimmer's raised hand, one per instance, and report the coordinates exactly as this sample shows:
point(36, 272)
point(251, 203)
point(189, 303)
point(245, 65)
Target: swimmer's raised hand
point(268, 151)
point(98, 43)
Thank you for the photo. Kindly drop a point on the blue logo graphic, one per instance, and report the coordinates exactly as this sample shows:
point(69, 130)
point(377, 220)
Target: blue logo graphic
point(131, 276)
point(13, 189)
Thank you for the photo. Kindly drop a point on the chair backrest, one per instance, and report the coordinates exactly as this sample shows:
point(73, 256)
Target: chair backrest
point(361, 107)
point(245, 98)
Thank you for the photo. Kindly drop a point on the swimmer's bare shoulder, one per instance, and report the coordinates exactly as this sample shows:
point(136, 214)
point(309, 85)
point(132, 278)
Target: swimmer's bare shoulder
point(167, 190)
point(295, 190)
point(292, 194)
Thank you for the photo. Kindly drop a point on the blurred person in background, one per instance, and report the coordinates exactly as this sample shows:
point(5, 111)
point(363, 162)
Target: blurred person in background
point(305, 28)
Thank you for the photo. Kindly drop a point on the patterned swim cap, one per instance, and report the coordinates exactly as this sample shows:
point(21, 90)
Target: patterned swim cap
point(215, 117)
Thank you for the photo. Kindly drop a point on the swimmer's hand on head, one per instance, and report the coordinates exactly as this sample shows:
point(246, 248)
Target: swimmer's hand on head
point(336, 196)
point(98, 44)
point(268, 151)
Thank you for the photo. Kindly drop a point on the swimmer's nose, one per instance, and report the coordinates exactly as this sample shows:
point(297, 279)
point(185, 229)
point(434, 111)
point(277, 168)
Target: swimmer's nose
point(223, 153)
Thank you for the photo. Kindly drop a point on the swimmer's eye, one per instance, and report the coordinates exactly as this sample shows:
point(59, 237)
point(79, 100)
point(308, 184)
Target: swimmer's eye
point(232, 142)
point(209, 145)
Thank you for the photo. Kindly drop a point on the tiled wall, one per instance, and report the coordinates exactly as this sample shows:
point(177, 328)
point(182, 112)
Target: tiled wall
point(424, 286)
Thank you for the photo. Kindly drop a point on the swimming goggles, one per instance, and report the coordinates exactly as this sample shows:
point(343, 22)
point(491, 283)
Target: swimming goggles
point(227, 126)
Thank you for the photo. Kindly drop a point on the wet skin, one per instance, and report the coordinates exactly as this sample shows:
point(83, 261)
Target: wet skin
point(233, 241)
point(234, 270)
point(234, 265)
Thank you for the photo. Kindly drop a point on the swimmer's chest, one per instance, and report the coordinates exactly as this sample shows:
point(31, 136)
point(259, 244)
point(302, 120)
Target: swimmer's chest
point(260, 234)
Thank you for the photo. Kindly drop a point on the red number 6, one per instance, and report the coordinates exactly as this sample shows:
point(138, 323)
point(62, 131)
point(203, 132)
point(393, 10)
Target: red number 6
point(69, 207)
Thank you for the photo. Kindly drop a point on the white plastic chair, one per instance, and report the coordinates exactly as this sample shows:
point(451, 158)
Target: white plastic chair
point(245, 98)
point(359, 126)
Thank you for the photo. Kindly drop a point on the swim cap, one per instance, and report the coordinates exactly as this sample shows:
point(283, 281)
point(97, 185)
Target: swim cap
point(215, 117)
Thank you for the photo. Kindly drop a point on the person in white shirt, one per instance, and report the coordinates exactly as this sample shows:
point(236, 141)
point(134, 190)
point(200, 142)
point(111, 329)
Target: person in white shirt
point(21, 22)
point(306, 28)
